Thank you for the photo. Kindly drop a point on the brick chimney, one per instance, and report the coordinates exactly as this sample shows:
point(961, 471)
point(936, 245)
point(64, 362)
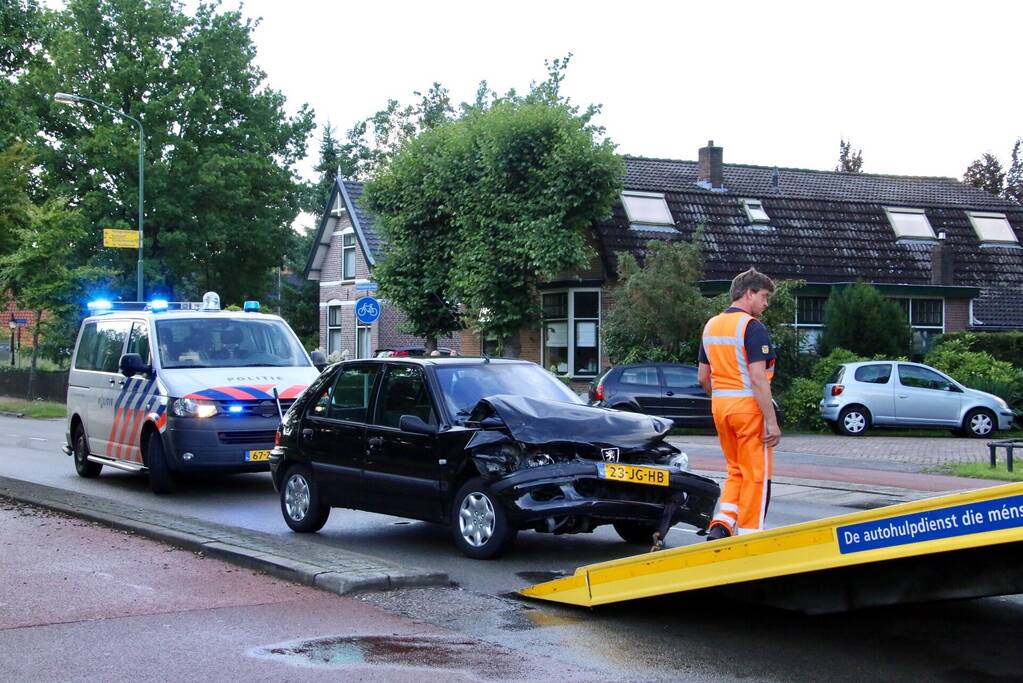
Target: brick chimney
point(711, 174)
point(942, 261)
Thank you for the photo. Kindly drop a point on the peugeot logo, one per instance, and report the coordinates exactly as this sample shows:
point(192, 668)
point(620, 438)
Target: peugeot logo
point(609, 454)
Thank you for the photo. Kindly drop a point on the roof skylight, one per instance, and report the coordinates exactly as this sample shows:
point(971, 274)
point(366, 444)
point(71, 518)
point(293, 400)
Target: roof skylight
point(910, 223)
point(647, 208)
point(992, 227)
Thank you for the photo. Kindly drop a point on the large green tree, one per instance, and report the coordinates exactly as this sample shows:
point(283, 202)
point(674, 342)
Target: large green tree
point(849, 160)
point(1013, 190)
point(220, 187)
point(859, 319)
point(986, 173)
point(482, 209)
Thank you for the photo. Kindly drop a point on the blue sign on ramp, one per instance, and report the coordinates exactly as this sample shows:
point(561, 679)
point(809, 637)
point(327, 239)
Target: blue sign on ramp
point(365, 286)
point(367, 310)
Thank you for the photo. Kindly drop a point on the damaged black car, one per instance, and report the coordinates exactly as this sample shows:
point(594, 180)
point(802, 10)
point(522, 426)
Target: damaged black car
point(489, 447)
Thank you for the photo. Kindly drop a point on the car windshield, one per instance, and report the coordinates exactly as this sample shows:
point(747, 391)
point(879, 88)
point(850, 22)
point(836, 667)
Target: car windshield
point(464, 385)
point(227, 343)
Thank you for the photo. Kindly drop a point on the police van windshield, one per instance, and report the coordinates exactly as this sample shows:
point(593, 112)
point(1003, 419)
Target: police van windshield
point(227, 343)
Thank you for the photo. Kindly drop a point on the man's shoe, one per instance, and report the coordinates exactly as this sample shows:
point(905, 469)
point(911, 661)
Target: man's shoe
point(717, 531)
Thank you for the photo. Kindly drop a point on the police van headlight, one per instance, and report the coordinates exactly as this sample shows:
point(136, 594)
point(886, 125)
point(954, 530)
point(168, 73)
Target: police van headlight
point(190, 407)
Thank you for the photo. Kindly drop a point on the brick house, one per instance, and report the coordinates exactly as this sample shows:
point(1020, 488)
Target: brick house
point(949, 253)
point(344, 252)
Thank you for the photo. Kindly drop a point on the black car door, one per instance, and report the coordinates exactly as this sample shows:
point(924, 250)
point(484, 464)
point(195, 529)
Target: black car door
point(402, 471)
point(685, 401)
point(334, 433)
point(641, 384)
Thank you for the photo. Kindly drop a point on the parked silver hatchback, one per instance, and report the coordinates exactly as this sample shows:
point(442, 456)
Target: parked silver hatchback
point(861, 395)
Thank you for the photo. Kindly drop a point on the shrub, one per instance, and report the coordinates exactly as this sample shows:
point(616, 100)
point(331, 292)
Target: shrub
point(977, 369)
point(859, 319)
point(800, 404)
point(1004, 346)
point(825, 366)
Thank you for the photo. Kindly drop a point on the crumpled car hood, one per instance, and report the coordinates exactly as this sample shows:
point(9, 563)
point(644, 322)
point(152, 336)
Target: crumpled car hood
point(537, 422)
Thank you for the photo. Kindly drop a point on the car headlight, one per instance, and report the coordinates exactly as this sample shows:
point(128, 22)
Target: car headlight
point(1001, 402)
point(190, 407)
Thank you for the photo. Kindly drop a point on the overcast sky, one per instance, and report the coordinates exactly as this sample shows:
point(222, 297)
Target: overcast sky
point(922, 88)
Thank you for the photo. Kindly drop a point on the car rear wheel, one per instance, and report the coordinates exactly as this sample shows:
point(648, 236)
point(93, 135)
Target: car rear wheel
point(979, 423)
point(85, 467)
point(636, 533)
point(161, 479)
point(300, 501)
point(479, 524)
point(853, 421)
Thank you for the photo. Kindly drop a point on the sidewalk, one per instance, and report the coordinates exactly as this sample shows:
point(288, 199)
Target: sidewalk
point(320, 565)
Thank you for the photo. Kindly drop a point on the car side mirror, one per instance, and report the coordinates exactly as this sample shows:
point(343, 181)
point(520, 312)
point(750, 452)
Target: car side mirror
point(319, 359)
point(415, 425)
point(132, 364)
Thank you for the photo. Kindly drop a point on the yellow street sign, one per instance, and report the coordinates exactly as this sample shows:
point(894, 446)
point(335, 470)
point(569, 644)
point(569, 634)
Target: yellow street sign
point(127, 239)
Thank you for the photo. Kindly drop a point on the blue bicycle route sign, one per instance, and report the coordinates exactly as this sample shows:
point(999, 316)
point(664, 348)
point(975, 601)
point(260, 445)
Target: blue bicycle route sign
point(367, 310)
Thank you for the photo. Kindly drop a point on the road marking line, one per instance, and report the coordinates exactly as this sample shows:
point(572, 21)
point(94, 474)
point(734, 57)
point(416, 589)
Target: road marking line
point(37, 438)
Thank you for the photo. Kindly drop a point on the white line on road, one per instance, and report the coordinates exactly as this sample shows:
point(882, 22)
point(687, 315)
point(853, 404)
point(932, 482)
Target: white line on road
point(38, 438)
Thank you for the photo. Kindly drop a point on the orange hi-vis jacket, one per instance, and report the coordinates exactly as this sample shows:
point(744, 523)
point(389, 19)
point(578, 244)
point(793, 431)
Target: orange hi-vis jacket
point(724, 342)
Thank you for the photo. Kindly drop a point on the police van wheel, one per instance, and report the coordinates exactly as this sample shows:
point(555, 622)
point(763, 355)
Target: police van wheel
point(161, 479)
point(636, 533)
point(479, 525)
point(85, 468)
point(300, 501)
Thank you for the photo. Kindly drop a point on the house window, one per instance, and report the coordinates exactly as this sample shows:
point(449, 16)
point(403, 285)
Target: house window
point(333, 329)
point(571, 332)
point(348, 256)
point(755, 210)
point(647, 210)
point(926, 321)
point(809, 320)
point(909, 223)
point(363, 341)
point(992, 227)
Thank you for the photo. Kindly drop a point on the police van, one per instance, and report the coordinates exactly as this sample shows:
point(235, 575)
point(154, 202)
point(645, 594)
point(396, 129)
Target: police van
point(168, 388)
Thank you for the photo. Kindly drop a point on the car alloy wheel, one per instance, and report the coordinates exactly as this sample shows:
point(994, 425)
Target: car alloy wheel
point(476, 519)
point(980, 424)
point(853, 421)
point(296, 497)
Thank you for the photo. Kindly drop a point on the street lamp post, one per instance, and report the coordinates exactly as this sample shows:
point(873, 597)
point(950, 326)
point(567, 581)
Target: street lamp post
point(66, 98)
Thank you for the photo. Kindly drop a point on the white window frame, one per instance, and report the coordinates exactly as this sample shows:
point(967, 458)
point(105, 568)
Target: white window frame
point(891, 212)
point(647, 222)
point(976, 216)
point(345, 277)
point(335, 305)
point(913, 328)
point(570, 323)
point(368, 330)
point(755, 210)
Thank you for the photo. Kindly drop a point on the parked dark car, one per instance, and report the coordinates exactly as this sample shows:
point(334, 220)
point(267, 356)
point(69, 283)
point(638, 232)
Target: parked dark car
point(668, 390)
point(489, 447)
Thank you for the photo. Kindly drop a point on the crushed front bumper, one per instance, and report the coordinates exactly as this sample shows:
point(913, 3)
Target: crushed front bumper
point(537, 496)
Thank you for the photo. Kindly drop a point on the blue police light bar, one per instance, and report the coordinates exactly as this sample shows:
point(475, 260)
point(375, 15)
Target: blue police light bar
point(251, 307)
point(234, 409)
point(99, 305)
point(158, 305)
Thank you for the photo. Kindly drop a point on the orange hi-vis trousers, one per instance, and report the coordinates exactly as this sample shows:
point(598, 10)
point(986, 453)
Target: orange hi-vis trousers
point(743, 503)
point(740, 425)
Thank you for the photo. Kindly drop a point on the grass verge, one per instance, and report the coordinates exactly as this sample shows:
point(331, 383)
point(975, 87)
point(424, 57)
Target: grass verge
point(39, 409)
point(978, 470)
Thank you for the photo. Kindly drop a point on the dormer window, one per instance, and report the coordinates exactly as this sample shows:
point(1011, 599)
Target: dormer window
point(755, 210)
point(992, 227)
point(647, 210)
point(909, 223)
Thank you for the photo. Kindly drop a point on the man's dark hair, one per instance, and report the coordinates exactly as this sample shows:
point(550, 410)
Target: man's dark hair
point(750, 279)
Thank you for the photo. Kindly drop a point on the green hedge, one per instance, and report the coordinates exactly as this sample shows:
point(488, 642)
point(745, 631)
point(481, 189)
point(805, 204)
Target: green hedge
point(1005, 346)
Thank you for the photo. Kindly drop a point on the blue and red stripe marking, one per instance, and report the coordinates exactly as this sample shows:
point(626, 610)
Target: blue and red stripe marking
point(128, 414)
point(255, 392)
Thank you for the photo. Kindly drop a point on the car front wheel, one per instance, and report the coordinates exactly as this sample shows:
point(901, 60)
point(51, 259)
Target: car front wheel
point(479, 524)
point(161, 479)
point(853, 421)
point(979, 423)
point(300, 501)
point(636, 533)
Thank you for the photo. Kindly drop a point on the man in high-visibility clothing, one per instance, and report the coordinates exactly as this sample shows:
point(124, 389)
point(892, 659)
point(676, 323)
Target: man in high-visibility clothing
point(736, 366)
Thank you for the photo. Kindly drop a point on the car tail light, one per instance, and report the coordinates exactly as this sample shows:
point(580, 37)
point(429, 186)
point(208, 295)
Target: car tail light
point(837, 390)
point(277, 439)
point(598, 393)
point(399, 354)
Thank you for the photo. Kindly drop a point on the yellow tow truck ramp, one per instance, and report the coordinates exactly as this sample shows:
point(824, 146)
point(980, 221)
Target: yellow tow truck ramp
point(963, 545)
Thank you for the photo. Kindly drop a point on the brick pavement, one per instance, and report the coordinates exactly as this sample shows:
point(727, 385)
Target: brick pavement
point(916, 450)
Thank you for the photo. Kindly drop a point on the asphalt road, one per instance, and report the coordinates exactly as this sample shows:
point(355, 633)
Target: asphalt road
point(675, 638)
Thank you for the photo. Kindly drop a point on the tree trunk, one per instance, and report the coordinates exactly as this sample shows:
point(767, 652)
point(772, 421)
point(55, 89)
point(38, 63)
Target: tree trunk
point(35, 356)
point(430, 344)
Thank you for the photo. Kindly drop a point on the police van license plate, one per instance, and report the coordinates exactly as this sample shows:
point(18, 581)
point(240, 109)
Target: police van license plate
point(257, 456)
point(634, 474)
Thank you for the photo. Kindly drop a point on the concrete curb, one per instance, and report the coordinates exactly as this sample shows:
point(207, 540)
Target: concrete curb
point(293, 559)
